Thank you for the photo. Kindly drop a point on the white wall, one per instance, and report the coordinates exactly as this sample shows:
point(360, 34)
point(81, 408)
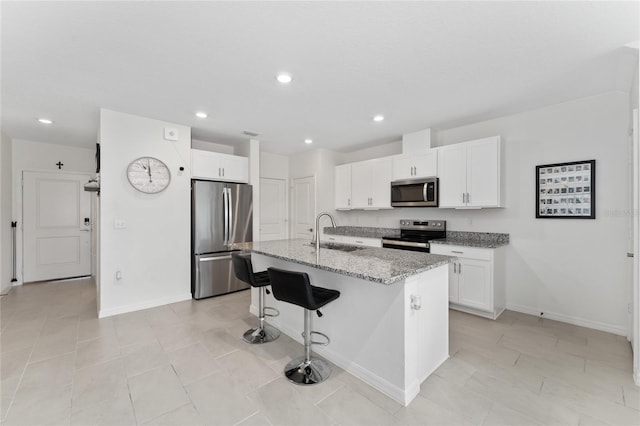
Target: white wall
point(274, 166)
point(212, 146)
point(572, 270)
point(5, 214)
point(42, 156)
point(153, 252)
point(391, 148)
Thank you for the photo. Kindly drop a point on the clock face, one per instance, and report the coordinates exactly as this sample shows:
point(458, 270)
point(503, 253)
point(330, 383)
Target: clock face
point(148, 175)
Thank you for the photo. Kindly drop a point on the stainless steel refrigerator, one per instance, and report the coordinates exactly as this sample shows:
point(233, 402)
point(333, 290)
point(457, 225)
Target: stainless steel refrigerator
point(221, 215)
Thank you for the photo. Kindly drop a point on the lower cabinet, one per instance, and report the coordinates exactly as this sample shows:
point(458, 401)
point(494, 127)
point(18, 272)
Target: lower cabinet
point(476, 279)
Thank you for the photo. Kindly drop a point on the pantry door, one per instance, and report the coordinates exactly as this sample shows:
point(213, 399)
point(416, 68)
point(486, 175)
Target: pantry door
point(57, 222)
point(304, 207)
point(273, 209)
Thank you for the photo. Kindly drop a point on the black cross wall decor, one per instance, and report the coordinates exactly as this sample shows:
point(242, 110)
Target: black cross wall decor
point(59, 164)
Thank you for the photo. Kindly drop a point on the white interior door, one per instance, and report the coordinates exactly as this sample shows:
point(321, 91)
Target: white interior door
point(56, 226)
point(273, 209)
point(304, 206)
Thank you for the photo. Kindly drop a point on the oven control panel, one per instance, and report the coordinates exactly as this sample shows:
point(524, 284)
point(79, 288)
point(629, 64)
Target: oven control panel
point(423, 225)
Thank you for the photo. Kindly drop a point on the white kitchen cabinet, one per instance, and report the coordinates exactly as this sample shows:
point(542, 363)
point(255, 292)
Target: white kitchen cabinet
point(371, 184)
point(217, 166)
point(476, 279)
point(342, 189)
point(361, 241)
point(415, 165)
point(470, 174)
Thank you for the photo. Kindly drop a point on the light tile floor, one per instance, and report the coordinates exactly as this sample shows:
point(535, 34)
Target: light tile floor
point(185, 364)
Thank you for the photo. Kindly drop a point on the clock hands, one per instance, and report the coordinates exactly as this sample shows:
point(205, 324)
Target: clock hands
point(149, 170)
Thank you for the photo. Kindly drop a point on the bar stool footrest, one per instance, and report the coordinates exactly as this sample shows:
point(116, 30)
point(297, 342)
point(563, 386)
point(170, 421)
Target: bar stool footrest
point(275, 314)
point(313, 342)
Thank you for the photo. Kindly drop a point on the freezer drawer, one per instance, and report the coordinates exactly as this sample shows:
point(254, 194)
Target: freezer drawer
point(213, 275)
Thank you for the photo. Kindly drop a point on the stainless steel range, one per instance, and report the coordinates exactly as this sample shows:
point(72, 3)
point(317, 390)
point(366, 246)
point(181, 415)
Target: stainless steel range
point(415, 234)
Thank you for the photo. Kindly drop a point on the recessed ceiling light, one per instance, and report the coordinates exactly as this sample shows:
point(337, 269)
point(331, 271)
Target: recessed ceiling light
point(378, 117)
point(45, 121)
point(284, 78)
point(201, 114)
point(308, 141)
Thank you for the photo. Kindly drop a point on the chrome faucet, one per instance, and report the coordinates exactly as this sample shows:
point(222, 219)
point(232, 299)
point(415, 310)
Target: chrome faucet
point(317, 234)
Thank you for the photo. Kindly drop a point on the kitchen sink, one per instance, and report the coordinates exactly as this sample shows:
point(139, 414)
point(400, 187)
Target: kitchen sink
point(341, 247)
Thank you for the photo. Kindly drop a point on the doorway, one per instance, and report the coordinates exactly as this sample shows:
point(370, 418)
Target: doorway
point(304, 206)
point(56, 226)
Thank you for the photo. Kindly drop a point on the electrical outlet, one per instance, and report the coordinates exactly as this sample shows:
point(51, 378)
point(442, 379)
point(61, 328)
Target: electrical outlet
point(119, 224)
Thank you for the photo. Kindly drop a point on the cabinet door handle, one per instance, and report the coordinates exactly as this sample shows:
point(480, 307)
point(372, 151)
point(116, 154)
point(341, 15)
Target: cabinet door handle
point(467, 198)
point(349, 201)
point(223, 172)
point(458, 252)
point(459, 268)
point(454, 267)
point(463, 198)
point(219, 172)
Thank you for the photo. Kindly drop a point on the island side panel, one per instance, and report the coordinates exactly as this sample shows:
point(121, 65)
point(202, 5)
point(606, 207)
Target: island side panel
point(366, 325)
point(426, 325)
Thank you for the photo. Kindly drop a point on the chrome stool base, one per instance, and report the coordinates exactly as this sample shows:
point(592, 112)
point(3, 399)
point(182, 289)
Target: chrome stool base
point(259, 335)
point(302, 372)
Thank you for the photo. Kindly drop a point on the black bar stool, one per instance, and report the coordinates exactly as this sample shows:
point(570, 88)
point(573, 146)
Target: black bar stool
point(295, 288)
point(243, 270)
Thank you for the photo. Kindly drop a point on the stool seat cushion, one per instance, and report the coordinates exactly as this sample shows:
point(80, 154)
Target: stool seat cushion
point(294, 287)
point(243, 269)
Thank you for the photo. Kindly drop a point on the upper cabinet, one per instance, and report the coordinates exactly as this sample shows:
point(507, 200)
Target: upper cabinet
point(371, 184)
point(217, 166)
point(342, 191)
point(363, 185)
point(470, 174)
point(415, 165)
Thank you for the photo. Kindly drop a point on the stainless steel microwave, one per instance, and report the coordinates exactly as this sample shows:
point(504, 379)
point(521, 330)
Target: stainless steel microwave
point(415, 192)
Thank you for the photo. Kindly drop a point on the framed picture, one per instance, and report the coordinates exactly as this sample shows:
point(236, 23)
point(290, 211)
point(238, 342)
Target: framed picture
point(566, 190)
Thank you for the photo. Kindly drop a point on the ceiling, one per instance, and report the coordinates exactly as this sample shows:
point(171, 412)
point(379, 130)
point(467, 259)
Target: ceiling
point(420, 64)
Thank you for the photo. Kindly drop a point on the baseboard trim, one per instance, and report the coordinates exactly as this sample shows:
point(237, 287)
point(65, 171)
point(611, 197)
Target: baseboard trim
point(609, 328)
point(103, 313)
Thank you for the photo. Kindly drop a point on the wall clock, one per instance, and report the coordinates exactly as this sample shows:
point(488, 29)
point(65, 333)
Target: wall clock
point(148, 175)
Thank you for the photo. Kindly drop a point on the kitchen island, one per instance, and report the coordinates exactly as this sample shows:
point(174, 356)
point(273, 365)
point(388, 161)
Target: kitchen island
point(390, 325)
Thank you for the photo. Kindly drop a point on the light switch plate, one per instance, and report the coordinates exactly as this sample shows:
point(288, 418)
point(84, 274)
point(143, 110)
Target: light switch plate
point(171, 133)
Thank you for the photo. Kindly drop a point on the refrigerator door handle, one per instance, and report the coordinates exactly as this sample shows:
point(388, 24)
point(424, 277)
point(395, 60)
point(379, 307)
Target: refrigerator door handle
point(230, 221)
point(225, 206)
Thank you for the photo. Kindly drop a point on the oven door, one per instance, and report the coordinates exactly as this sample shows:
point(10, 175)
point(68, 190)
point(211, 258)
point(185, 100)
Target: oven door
point(415, 193)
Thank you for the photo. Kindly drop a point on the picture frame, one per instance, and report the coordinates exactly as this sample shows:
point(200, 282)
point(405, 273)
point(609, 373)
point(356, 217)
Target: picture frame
point(566, 190)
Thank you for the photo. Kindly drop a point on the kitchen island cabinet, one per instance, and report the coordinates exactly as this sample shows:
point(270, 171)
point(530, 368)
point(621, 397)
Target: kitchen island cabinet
point(390, 325)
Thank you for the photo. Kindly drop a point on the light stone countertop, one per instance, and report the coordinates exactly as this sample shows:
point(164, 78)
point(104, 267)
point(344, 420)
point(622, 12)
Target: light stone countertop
point(380, 265)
